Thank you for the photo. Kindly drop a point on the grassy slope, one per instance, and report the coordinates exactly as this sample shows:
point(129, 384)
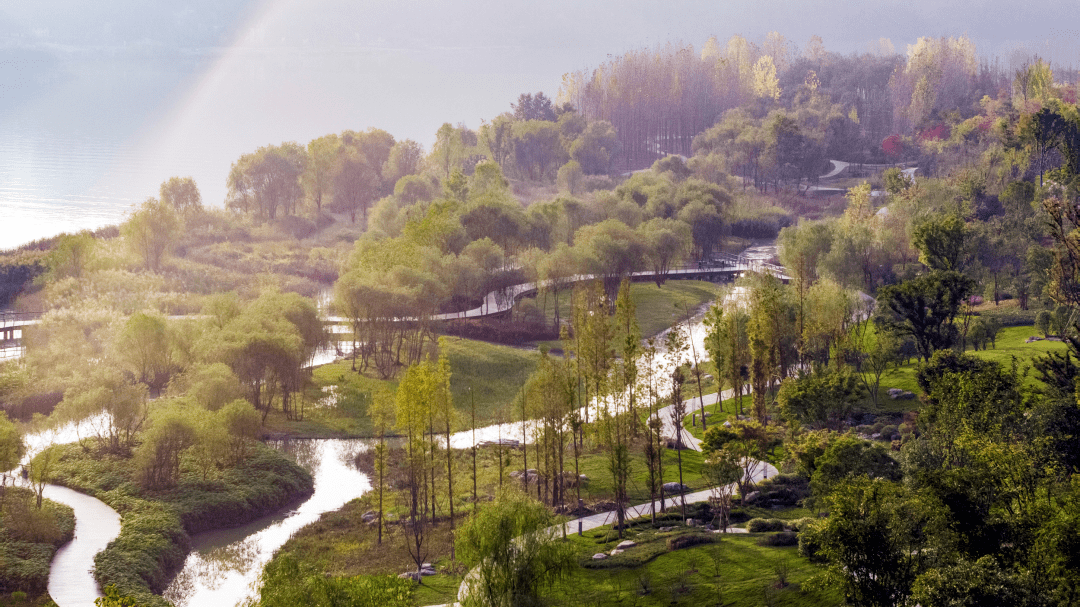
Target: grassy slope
point(494, 372)
point(342, 544)
point(1010, 345)
point(656, 306)
point(747, 571)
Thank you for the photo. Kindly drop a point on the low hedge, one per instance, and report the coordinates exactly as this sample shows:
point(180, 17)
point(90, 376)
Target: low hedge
point(784, 538)
point(156, 525)
point(687, 540)
point(763, 525)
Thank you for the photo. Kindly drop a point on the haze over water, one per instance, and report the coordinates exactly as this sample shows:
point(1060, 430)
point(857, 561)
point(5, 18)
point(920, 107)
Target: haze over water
point(100, 102)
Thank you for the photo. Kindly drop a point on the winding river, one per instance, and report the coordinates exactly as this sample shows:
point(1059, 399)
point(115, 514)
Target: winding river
point(224, 565)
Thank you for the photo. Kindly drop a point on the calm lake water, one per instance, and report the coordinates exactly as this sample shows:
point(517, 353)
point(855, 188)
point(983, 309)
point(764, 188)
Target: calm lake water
point(86, 131)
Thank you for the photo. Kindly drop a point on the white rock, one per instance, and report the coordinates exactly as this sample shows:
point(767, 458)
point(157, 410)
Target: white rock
point(599, 556)
point(623, 545)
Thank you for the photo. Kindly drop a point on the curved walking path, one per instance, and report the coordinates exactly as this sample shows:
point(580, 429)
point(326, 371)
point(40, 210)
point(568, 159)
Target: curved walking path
point(494, 303)
point(670, 430)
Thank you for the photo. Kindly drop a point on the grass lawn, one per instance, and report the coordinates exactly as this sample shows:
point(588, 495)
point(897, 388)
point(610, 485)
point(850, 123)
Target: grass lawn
point(1010, 345)
point(493, 372)
point(657, 307)
point(342, 544)
point(652, 573)
point(1008, 312)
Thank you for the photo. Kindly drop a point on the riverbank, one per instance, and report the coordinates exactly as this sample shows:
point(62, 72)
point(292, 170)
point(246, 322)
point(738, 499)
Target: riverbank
point(487, 374)
point(29, 538)
point(156, 526)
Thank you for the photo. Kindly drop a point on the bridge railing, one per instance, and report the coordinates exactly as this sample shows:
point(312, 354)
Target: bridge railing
point(740, 263)
point(14, 319)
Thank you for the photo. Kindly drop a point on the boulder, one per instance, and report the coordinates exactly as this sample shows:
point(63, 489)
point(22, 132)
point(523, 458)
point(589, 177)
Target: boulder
point(615, 551)
point(752, 496)
point(673, 488)
point(368, 516)
point(666, 529)
point(623, 545)
point(599, 556)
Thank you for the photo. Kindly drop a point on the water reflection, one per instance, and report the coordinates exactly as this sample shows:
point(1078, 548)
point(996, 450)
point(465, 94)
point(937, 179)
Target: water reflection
point(71, 581)
point(223, 566)
point(39, 439)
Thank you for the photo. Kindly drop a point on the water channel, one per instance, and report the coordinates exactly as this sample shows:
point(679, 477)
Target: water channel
point(224, 565)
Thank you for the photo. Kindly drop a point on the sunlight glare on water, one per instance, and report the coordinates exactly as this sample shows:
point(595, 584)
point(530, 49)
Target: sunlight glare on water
point(223, 566)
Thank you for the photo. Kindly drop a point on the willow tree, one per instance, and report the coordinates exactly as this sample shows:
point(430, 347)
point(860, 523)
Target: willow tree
point(151, 231)
point(12, 449)
point(267, 180)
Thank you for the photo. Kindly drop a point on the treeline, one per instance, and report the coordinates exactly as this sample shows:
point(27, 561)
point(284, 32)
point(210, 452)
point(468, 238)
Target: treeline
point(598, 394)
point(658, 100)
point(971, 496)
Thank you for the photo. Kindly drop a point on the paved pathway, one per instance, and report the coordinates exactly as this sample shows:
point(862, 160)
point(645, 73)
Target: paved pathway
point(670, 430)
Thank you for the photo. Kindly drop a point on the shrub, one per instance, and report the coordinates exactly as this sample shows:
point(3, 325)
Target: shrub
point(783, 489)
point(810, 543)
point(801, 523)
point(687, 540)
point(888, 432)
point(738, 515)
point(761, 525)
point(29, 538)
point(1043, 322)
point(784, 538)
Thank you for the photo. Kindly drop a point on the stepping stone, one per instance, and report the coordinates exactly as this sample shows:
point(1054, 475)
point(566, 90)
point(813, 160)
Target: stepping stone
point(599, 556)
point(623, 545)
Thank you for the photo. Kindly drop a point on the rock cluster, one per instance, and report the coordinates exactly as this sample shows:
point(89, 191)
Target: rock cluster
point(898, 394)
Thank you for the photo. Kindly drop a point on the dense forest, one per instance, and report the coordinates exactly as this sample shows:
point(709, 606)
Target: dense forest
point(924, 207)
